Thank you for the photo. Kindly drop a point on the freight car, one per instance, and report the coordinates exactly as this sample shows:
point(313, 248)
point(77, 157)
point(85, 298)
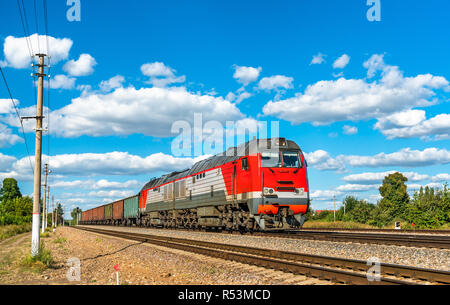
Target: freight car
point(259, 185)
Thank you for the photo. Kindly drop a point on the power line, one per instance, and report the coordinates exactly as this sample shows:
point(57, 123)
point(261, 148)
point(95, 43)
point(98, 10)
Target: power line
point(37, 25)
point(25, 29)
point(18, 115)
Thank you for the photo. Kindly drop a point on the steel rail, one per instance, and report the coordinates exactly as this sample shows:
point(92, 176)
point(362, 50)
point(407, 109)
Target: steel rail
point(408, 240)
point(349, 271)
point(411, 231)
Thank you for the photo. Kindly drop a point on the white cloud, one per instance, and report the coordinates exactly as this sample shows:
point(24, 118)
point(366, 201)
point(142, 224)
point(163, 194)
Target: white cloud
point(113, 83)
point(343, 99)
point(357, 187)
point(102, 184)
point(62, 82)
point(7, 138)
point(373, 178)
point(441, 177)
point(275, 82)
point(324, 194)
point(350, 130)
point(81, 67)
point(6, 162)
point(405, 157)
point(17, 54)
point(96, 164)
point(246, 75)
point(160, 74)
point(374, 64)
point(318, 59)
point(413, 123)
point(321, 160)
point(6, 106)
point(149, 111)
point(341, 62)
point(416, 187)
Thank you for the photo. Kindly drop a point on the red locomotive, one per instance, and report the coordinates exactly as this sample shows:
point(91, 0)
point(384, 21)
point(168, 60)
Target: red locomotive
point(259, 185)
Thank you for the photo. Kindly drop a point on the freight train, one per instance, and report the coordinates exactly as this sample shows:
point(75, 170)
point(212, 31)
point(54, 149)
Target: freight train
point(257, 186)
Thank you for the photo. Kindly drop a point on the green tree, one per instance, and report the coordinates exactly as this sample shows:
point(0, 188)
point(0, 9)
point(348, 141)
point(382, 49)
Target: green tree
point(10, 190)
point(394, 200)
point(429, 208)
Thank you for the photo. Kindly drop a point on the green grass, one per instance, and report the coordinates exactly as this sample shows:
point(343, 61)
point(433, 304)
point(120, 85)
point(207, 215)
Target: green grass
point(39, 262)
point(12, 230)
point(336, 225)
point(60, 240)
point(356, 225)
point(45, 235)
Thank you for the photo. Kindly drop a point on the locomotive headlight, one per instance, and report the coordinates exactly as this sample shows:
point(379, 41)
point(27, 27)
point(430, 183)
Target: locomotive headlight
point(268, 191)
point(300, 191)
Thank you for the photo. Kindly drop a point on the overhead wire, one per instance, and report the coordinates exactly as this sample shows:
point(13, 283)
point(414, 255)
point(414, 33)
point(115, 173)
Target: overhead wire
point(18, 115)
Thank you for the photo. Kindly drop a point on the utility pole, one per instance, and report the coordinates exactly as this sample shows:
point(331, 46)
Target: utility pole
point(44, 225)
point(334, 210)
point(46, 206)
point(53, 211)
point(35, 239)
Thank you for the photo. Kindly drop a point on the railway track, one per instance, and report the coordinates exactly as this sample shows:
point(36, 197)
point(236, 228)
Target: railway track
point(338, 270)
point(409, 231)
point(407, 240)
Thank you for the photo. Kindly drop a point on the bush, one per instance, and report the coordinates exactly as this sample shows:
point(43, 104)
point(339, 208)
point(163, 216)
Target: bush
point(12, 230)
point(39, 262)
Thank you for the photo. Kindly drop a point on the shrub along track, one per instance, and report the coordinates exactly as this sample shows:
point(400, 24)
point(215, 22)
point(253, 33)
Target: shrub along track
point(337, 270)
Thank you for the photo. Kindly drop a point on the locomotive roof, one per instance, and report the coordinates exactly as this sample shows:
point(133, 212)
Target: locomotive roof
point(232, 154)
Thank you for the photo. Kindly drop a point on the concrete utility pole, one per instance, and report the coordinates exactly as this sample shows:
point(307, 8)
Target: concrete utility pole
point(334, 209)
point(35, 239)
point(46, 206)
point(44, 225)
point(53, 211)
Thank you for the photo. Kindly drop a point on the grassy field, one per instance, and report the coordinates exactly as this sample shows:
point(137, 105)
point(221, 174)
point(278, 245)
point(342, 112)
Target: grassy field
point(12, 230)
point(356, 225)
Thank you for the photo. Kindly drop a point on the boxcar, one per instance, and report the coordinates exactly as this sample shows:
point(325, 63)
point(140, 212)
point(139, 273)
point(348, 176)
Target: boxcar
point(99, 214)
point(131, 209)
point(108, 213)
point(118, 212)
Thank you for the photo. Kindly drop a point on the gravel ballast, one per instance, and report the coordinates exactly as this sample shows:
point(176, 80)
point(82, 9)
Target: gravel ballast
point(411, 256)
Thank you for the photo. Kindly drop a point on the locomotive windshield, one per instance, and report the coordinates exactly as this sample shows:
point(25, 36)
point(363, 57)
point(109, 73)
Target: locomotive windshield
point(288, 159)
point(270, 159)
point(291, 159)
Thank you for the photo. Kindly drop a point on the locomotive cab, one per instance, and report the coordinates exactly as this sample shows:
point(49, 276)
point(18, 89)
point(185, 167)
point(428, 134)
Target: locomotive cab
point(285, 192)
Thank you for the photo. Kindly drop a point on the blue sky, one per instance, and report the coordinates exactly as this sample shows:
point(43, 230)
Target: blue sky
point(374, 100)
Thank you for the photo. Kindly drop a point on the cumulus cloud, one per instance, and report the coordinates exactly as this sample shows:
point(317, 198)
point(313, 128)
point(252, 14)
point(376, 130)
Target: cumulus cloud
point(102, 184)
point(6, 106)
point(275, 82)
point(62, 82)
point(125, 111)
point(318, 59)
point(350, 130)
point(160, 74)
point(341, 62)
point(7, 138)
point(343, 99)
point(413, 124)
point(17, 54)
point(324, 194)
point(113, 83)
point(405, 158)
point(373, 178)
point(441, 177)
point(357, 187)
point(98, 164)
point(246, 75)
point(322, 160)
point(81, 67)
